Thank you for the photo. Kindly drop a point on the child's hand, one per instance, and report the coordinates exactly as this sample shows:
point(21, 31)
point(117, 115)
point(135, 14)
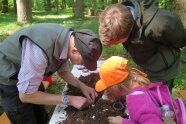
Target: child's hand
point(115, 120)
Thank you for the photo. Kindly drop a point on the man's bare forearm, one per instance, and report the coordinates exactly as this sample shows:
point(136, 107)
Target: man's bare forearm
point(41, 98)
point(69, 78)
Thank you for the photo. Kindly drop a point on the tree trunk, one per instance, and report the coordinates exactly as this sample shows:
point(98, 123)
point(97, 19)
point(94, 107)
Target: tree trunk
point(73, 6)
point(114, 1)
point(4, 6)
point(63, 5)
point(119, 1)
point(24, 11)
point(57, 8)
point(15, 6)
point(79, 9)
point(36, 3)
point(48, 5)
point(91, 11)
point(179, 7)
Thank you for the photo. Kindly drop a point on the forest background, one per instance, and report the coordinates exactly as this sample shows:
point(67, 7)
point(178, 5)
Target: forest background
point(78, 14)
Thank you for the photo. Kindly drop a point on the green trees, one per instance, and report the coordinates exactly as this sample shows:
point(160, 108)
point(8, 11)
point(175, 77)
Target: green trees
point(79, 8)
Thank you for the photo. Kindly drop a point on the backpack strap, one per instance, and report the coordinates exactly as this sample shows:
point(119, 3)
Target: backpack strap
point(157, 86)
point(180, 109)
point(159, 95)
point(153, 99)
point(173, 106)
point(161, 100)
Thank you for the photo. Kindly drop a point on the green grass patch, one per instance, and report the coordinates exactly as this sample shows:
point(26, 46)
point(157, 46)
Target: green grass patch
point(8, 24)
point(180, 81)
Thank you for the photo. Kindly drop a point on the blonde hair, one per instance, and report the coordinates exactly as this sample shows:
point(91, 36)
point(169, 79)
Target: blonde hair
point(133, 79)
point(116, 22)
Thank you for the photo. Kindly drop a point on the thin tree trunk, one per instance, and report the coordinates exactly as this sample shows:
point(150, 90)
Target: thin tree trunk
point(73, 6)
point(63, 5)
point(4, 6)
point(79, 9)
point(48, 5)
point(36, 3)
point(15, 6)
point(91, 10)
point(24, 11)
point(119, 1)
point(56, 4)
point(114, 1)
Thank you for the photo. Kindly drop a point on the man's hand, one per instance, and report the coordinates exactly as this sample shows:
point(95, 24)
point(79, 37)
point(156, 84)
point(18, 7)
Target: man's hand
point(78, 102)
point(89, 92)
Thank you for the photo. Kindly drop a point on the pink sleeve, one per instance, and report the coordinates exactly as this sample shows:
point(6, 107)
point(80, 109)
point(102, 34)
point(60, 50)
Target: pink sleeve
point(142, 110)
point(127, 121)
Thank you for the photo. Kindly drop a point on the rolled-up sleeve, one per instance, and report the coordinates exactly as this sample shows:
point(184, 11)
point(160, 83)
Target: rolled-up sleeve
point(33, 65)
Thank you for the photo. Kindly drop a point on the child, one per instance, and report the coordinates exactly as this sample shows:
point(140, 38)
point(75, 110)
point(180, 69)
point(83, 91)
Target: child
point(118, 80)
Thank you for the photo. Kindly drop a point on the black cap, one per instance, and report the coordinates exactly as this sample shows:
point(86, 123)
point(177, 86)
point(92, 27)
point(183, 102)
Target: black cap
point(89, 46)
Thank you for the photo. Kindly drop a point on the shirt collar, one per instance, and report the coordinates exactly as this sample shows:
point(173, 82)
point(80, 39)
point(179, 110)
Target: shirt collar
point(133, 10)
point(65, 48)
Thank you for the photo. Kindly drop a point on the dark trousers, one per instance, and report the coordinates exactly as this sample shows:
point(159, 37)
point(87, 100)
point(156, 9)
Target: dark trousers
point(21, 113)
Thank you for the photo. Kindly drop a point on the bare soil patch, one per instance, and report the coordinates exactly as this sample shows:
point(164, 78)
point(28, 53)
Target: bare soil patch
point(95, 114)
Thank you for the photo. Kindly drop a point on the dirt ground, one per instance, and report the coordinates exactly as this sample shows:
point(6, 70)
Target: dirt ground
point(94, 114)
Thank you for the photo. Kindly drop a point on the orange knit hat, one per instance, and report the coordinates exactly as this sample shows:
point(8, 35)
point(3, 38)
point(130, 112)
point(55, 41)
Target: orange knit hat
point(113, 71)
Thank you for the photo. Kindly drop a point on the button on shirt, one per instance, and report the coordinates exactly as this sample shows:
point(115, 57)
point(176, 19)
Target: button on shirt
point(33, 65)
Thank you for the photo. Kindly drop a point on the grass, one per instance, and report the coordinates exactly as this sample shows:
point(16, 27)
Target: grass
point(180, 81)
point(8, 26)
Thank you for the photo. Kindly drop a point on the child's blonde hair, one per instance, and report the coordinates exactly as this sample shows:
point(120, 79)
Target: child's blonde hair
point(115, 75)
point(116, 22)
point(133, 79)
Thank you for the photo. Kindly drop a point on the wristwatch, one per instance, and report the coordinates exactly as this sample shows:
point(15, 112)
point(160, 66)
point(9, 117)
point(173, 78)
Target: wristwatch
point(66, 100)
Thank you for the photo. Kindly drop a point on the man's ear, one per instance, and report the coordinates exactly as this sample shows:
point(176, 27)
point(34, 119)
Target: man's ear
point(74, 50)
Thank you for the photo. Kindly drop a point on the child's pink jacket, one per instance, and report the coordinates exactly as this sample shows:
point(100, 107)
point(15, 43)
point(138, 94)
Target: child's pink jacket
point(142, 109)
